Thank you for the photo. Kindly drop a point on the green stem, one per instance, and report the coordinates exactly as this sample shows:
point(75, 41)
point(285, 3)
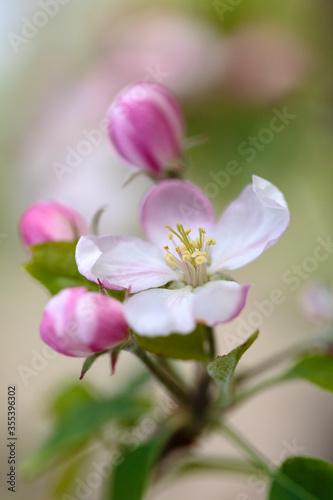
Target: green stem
point(285, 355)
point(252, 453)
point(264, 465)
point(246, 394)
point(174, 389)
point(216, 464)
point(168, 366)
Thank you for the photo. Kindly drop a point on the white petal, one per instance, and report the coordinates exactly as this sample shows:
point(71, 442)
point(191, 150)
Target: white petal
point(156, 313)
point(219, 301)
point(251, 224)
point(122, 262)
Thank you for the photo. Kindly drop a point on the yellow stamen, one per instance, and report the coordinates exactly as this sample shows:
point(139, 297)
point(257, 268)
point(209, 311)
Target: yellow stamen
point(190, 256)
point(210, 241)
point(170, 259)
point(166, 247)
point(199, 253)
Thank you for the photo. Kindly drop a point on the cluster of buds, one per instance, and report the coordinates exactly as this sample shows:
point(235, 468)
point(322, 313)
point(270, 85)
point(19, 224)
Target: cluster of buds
point(146, 127)
point(167, 295)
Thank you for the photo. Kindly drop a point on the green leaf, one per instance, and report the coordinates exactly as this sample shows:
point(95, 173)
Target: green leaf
point(317, 369)
point(303, 478)
point(66, 481)
point(223, 367)
point(68, 398)
point(130, 478)
point(185, 347)
point(83, 423)
point(53, 264)
point(88, 362)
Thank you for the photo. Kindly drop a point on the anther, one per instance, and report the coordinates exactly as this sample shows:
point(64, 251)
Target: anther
point(170, 259)
point(199, 253)
point(210, 241)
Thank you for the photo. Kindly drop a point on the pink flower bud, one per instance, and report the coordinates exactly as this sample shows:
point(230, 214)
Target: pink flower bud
point(146, 127)
point(79, 323)
point(51, 221)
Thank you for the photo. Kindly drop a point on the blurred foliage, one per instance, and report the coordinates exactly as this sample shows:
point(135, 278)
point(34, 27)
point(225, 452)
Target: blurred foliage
point(298, 160)
point(303, 478)
point(79, 416)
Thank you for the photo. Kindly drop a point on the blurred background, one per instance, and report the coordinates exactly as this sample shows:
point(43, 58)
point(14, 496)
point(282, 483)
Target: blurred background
point(234, 65)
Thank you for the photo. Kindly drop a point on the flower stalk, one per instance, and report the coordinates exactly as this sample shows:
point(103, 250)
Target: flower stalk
point(161, 374)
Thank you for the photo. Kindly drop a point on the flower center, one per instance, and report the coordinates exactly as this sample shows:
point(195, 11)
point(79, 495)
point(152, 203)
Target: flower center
point(193, 255)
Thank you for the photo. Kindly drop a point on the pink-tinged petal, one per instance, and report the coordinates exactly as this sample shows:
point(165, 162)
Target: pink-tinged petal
point(51, 221)
point(251, 224)
point(101, 321)
point(219, 301)
point(146, 127)
point(171, 202)
point(58, 328)
point(157, 313)
point(121, 262)
point(79, 323)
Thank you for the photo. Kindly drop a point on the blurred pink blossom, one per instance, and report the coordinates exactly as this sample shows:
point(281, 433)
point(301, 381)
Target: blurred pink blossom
point(262, 63)
point(316, 302)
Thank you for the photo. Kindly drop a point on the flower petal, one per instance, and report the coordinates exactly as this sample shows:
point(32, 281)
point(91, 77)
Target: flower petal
point(171, 202)
point(219, 301)
point(121, 262)
point(157, 313)
point(251, 224)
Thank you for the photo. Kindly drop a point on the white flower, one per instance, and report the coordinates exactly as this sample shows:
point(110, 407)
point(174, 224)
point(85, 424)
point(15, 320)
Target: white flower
point(187, 253)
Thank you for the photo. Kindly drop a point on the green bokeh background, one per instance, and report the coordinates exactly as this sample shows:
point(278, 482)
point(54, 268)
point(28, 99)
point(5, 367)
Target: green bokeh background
point(298, 160)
